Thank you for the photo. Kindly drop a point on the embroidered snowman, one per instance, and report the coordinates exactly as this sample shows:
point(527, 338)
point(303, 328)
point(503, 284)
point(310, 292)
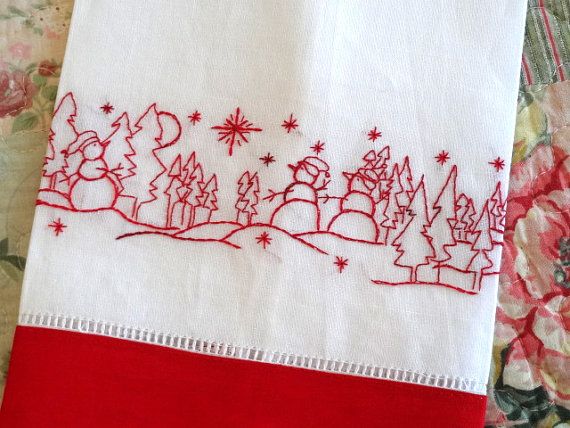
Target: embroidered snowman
point(299, 212)
point(357, 208)
point(94, 186)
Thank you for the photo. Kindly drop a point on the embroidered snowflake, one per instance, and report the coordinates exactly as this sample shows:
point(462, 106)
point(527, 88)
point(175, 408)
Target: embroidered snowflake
point(235, 130)
point(341, 263)
point(498, 164)
point(264, 240)
point(267, 159)
point(290, 124)
point(107, 108)
point(195, 117)
point(57, 226)
point(374, 134)
point(318, 147)
point(442, 157)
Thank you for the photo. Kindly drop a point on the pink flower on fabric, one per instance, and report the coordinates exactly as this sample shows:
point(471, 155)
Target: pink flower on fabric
point(16, 93)
point(21, 50)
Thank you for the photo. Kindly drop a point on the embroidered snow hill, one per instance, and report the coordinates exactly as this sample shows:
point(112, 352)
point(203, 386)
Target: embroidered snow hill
point(384, 210)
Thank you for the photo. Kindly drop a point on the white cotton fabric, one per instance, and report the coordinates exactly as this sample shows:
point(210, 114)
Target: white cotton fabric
point(431, 76)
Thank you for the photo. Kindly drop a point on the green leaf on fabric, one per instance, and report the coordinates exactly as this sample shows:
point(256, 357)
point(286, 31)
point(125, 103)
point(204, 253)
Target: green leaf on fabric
point(25, 122)
point(39, 80)
point(10, 270)
point(521, 405)
point(16, 261)
point(16, 11)
point(31, 67)
point(49, 92)
point(38, 30)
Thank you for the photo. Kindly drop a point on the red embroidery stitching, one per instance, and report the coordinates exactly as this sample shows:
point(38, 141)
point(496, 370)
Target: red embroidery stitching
point(57, 226)
point(442, 157)
point(446, 243)
point(498, 164)
point(267, 159)
point(341, 263)
point(264, 240)
point(107, 108)
point(318, 147)
point(290, 124)
point(235, 130)
point(195, 117)
point(374, 134)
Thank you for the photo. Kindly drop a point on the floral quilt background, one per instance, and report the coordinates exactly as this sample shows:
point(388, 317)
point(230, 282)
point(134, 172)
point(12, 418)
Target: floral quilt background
point(530, 376)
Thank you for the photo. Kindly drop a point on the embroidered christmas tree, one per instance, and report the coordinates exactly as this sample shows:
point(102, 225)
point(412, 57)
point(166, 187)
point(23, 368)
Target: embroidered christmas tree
point(61, 135)
point(414, 244)
point(248, 197)
point(119, 150)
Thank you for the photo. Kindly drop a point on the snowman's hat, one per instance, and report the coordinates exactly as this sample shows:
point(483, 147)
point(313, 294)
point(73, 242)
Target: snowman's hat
point(312, 165)
point(83, 140)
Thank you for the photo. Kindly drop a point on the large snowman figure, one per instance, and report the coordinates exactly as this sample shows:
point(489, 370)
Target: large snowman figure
point(299, 212)
point(93, 187)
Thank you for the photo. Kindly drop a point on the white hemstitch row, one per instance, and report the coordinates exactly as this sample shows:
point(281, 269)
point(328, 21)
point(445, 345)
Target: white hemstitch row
point(211, 347)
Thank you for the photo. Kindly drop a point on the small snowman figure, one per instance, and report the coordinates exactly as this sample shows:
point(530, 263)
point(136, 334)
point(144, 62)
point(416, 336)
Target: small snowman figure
point(357, 208)
point(299, 212)
point(94, 186)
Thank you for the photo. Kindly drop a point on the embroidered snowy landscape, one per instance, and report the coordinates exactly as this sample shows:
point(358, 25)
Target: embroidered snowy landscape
point(135, 177)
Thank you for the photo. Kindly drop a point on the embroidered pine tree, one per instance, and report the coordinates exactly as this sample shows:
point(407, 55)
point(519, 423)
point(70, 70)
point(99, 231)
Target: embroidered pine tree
point(407, 181)
point(465, 218)
point(152, 132)
point(248, 197)
point(482, 246)
point(62, 133)
point(392, 211)
point(172, 192)
point(119, 151)
point(444, 217)
point(497, 211)
point(194, 183)
point(413, 244)
point(208, 200)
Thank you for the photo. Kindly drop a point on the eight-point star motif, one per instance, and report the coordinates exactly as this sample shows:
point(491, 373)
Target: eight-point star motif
point(498, 164)
point(341, 263)
point(264, 240)
point(107, 108)
point(57, 226)
point(318, 147)
point(195, 117)
point(235, 130)
point(290, 124)
point(267, 159)
point(374, 134)
point(442, 157)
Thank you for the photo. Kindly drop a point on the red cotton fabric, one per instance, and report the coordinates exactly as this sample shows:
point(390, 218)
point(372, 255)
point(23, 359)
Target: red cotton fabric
point(67, 379)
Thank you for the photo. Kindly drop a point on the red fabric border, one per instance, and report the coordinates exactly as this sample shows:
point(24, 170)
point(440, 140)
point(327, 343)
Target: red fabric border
point(67, 379)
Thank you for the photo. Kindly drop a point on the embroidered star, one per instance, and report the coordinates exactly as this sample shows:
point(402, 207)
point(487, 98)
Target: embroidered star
point(318, 147)
point(374, 134)
point(341, 263)
point(107, 108)
point(498, 164)
point(235, 130)
point(290, 124)
point(267, 159)
point(442, 157)
point(57, 226)
point(195, 117)
point(264, 240)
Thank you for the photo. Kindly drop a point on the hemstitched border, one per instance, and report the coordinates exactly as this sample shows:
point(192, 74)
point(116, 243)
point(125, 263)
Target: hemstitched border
point(212, 347)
